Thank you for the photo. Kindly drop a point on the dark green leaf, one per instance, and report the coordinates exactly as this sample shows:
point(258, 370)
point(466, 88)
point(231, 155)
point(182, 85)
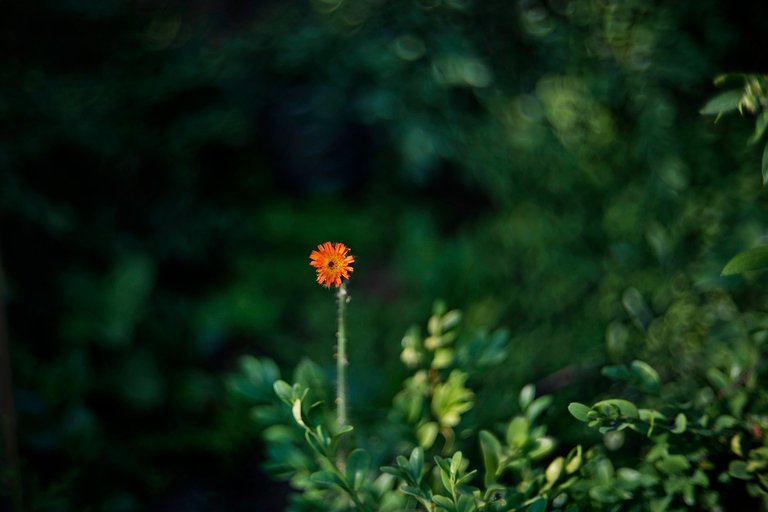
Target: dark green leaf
point(723, 102)
point(647, 377)
point(760, 125)
point(538, 505)
point(738, 469)
point(357, 467)
point(765, 165)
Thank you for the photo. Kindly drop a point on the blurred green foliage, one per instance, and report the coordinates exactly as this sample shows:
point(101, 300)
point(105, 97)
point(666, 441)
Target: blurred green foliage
point(166, 169)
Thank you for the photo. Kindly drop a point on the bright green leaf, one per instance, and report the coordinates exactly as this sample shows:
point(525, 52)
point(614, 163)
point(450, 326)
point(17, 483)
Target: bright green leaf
point(517, 432)
point(680, 424)
point(527, 394)
point(753, 259)
point(578, 411)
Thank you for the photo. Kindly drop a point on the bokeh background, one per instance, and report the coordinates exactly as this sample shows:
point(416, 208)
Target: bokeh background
point(166, 168)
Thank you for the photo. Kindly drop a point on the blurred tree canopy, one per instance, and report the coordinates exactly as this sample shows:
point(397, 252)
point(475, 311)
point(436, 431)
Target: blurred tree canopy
point(166, 167)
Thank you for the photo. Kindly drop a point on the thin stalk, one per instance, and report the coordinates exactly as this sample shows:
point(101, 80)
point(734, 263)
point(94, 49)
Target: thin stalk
point(341, 358)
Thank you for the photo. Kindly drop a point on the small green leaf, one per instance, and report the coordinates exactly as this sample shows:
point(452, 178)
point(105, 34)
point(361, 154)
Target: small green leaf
point(537, 505)
point(765, 165)
point(617, 406)
point(680, 424)
point(412, 491)
point(723, 102)
point(648, 377)
point(491, 450)
point(296, 411)
point(573, 461)
point(517, 432)
point(578, 411)
point(443, 501)
point(357, 467)
point(416, 463)
point(537, 407)
point(673, 464)
point(760, 125)
point(325, 478)
point(466, 504)
point(396, 472)
point(450, 320)
point(616, 372)
point(344, 429)
point(554, 470)
point(527, 394)
point(283, 391)
point(752, 259)
point(426, 434)
point(456, 462)
point(738, 469)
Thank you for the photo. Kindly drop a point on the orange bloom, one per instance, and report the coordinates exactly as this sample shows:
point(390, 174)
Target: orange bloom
point(332, 263)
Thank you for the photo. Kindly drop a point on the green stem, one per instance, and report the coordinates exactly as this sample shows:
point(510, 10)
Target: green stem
point(341, 359)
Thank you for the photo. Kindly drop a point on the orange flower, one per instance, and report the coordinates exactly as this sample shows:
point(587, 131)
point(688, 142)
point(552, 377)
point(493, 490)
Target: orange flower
point(332, 263)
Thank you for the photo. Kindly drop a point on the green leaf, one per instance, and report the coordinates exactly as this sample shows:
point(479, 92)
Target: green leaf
point(578, 411)
point(753, 259)
point(491, 450)
point(616, 372)
point(573, 461)
point(357, 467)
point(283, 391)
point(296, 411)
point(537, 407)
point(680, 424)
point(412, 491)
point(760, 125)
point(554, 470)
point(326, 478)
point(673, 464)
point(765, 165)
point(517, 432)
point(738, 469)
point(426, 434)
point(527, 394)
point(723, 102)
point(450, 320)
point(466, 504)
point(648, 377)
point(613, 406)
point(537, 505)
point(443, 501)
point(396, 472)
point(416, 463)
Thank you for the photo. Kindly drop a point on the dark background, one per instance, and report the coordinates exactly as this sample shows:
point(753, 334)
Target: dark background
point(166, 168)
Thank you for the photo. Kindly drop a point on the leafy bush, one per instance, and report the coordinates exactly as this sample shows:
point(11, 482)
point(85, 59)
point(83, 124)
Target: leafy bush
point(694, 438)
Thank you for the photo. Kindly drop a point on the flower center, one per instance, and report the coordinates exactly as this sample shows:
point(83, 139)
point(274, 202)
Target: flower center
point(331, 264)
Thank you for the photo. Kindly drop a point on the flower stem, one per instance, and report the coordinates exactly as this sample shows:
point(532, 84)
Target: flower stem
point(341, 359)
